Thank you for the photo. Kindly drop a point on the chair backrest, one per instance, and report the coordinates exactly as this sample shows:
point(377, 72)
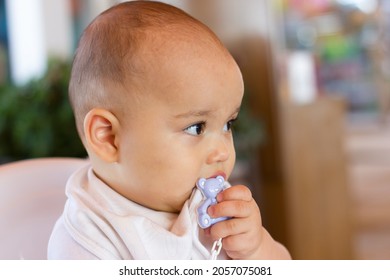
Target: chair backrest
point(32, 197)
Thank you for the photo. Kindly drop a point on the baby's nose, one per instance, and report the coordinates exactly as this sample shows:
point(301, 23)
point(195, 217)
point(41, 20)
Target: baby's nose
point(220, 151)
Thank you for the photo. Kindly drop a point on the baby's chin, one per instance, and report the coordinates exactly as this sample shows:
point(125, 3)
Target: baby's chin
point(176, 203)
point(178, 207)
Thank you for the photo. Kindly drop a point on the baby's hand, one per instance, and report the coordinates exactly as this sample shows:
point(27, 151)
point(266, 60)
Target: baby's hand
point(243, 235)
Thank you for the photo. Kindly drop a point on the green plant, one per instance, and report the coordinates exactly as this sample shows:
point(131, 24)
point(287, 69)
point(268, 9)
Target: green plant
point(36, 120)
point(248, 132)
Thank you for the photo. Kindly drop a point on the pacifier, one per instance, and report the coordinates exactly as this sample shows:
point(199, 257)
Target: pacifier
point(209, 188)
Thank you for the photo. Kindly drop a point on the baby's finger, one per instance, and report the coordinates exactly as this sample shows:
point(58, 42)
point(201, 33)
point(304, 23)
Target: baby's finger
point(238, 246)
point(242, 245)
point(227, 228)
point(239, 192)
point(234, 208)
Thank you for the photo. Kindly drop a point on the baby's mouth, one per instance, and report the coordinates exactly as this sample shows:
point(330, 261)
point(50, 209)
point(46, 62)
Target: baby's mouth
point(218, 173)
point(215, 175)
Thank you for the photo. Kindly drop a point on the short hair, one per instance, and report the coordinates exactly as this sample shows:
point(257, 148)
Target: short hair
point(106, 63)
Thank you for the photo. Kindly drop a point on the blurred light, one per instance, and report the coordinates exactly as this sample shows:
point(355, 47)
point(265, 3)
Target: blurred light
point(366, 6)
point(26, 38)
point(301, 77)
point(328, 24)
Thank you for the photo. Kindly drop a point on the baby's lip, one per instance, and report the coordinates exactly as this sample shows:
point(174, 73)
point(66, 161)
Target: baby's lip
point(218, 173)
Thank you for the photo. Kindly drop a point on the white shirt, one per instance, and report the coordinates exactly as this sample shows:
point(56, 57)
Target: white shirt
point(99, 223)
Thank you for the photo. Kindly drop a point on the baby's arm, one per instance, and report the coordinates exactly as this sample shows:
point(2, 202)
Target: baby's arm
point(244, 236)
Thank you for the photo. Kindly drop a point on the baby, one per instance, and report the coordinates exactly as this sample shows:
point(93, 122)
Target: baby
point(155, 93)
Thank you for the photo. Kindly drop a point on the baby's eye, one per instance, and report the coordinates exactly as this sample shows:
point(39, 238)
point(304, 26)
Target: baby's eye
point(228, 125)
point(195, 129)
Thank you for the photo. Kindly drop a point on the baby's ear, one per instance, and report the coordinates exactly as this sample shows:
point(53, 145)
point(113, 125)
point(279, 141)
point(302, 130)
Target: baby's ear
point(100, 129)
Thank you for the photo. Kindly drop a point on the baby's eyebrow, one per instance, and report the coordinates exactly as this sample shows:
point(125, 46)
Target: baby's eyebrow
point(189, 114)
point(201, 113)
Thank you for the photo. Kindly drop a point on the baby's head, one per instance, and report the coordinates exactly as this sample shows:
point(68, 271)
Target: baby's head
point(154, 93)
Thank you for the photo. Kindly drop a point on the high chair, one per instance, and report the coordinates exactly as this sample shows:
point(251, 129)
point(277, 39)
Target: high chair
point(32, 197)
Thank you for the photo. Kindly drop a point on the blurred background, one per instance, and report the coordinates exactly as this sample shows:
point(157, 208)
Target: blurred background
point(313, 137)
